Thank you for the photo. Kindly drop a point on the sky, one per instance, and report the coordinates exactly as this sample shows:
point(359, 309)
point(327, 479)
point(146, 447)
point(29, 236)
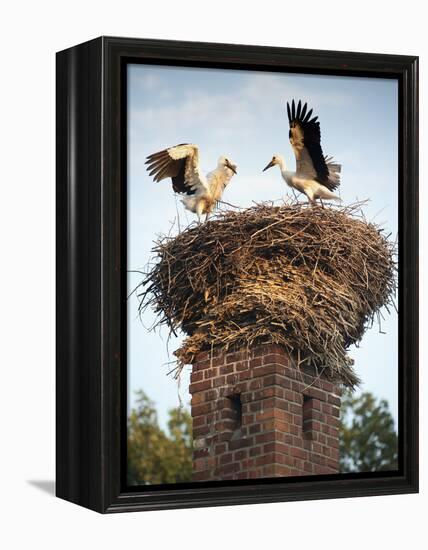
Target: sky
point(242, 114)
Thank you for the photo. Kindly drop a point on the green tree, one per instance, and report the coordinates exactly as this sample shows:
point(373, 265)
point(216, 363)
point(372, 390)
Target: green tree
point(368, 441)
point(155, 456)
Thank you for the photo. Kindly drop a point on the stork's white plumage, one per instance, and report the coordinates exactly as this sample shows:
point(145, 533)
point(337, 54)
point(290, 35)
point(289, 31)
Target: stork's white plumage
point(316, 175)
point(181, 164)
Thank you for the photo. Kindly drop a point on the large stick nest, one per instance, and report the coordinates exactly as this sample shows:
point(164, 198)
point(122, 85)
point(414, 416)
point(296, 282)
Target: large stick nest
point(310, 279)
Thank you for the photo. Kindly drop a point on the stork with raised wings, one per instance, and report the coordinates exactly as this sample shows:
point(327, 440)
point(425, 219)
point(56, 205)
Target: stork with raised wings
point(316, 175)
point(181, 164)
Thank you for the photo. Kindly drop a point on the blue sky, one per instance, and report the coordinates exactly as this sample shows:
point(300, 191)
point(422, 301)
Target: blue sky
point(242, 114)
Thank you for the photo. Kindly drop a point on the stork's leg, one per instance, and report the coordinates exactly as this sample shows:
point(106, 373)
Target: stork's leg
point(295, 196)
point(322, 204)
point(199, 210)
point(310, 196)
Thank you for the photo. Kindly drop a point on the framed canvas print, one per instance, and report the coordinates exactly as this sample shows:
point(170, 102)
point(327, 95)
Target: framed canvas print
point(237, 296)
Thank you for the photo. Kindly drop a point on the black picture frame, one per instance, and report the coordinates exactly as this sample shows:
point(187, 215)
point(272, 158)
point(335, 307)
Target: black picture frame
point(91, 277)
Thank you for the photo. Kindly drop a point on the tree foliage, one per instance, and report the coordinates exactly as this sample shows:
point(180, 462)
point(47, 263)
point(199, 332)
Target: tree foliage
point(368, 441)
point(156, 456)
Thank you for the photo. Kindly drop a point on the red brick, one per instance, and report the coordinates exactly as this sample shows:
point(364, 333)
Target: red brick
point(197, 398)
point(293, 397)
point(200, 431)
point(236, 356)
point(210, 373)
point(228, 469)
point(203, 409)
point(255, 406)
point(228, 413)
point(211, 395)
point(315, 393)
point(255, 451)
point(327, 386)
point(242, 366)
point(334, 453)
point(200, 386)
point(275, 413)
point(279, 470)
point(333, 400)
point(256, 384)
point(246, 396)
point(297, 386)
point(276, 379)
point(299, 453)
point(232, 379)
point(202, 356)
point(335, 412)
point(308, 467)
point(198, 421)
point(240, 443)
point(221, 448)
point(241, 475)
point(264, 370)
point(318, 459)
point(240, 455)
point(219, 381)
point(255, 428)
point(224, 436)
point(265, 437)
point(226, 424)
point(196, 376)
point(268, 458)
point(317, 447)
point(226, 369)
point(320, 470)
point(201, 365)
point(297, 420)
point(333, 442)
point(218, 361)
point(211, 462)
point(256, 362)
point(199, 464)
point(247, 463)
point(244, 375)
point(321, 438)
point(295, 430)
point(200, 453)
point(247, 419)
point(226, 458)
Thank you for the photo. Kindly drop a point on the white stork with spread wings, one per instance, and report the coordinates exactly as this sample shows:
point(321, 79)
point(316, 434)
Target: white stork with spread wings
point(181, 164)
point(316, 175)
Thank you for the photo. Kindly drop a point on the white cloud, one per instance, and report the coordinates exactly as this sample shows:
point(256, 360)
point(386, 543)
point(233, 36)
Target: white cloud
point(260, 99)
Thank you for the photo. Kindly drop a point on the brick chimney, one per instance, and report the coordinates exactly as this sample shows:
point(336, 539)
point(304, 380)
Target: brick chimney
point(256, 415)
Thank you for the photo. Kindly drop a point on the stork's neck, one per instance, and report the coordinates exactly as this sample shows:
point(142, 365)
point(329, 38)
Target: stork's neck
point(282, 165)
point(221, 175)
point(218, 179)
point(228, 174)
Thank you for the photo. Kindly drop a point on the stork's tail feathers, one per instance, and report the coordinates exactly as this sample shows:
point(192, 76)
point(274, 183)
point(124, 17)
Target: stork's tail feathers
point(324, 193)
point(333, 173)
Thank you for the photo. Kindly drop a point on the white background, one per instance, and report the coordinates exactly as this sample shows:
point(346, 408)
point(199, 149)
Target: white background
point(30, 33)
